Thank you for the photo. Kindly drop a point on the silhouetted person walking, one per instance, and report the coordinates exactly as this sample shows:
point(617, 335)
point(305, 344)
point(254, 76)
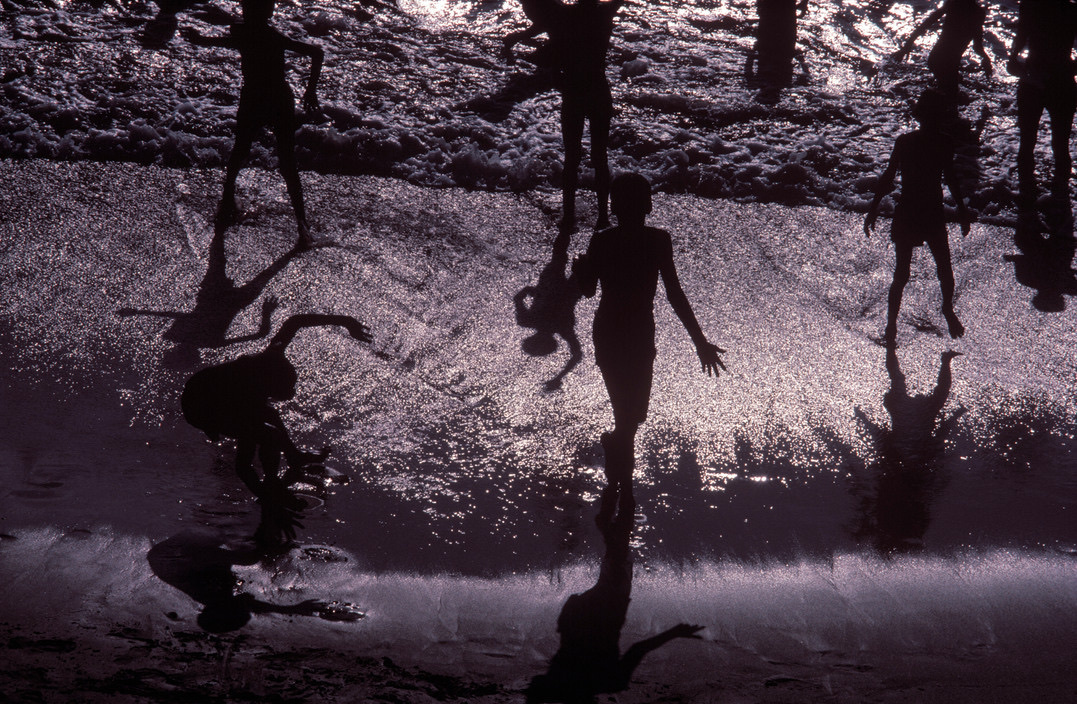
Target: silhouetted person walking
point(627, 260)
point(580, 38)
point(234, 400)
point(962, 24)
point(265, 98)
point(589, 661)
point(925, 159)
point(1047, 28)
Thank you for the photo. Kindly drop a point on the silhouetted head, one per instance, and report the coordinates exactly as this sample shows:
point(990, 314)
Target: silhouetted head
point(931, 108)
point(630, 196)
point(257, 10)
point(539, 345)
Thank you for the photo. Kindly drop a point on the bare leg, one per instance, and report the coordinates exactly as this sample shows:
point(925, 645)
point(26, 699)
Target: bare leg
point(1029, 110)
point(572, 136)
point(902, 267)
point(245, 466)
point(289, 169)
point(1061, 129)
point(241, 149)
point(940, 250)
point(600, 137)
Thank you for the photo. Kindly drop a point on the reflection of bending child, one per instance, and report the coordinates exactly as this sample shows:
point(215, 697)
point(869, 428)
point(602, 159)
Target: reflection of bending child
point(627, 260)
point(233, 400)
point(925, 159)
point(265, 99)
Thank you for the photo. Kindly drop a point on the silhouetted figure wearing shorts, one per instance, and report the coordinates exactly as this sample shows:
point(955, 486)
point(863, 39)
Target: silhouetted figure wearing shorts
point(1046, 28)
point(233, 399)
point(962, 24)
point(776, 41)
point(265, 99)
point(580, 38)
point(627, 260)
point(925, 159)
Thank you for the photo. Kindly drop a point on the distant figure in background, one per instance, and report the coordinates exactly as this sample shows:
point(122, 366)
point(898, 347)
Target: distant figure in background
point(234, 400)
point(533, 10)
point(1047, 28)
point(962, 24)
point(579, 39)
point(551, 311)
point(589, 661)
point(265, 99)
point(627, 260)
point(925, 159)
point(771, 60)
point(910, 452)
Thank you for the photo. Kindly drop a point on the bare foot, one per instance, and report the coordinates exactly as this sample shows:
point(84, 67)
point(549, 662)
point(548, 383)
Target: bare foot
point(956, 328)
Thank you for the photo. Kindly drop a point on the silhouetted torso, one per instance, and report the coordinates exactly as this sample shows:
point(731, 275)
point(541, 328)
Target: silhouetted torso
point(261, 50)
point(922, 158)
point(963, 22)
point(1050, 26)
point(580, 38)
point(627, 263)
point(231, 398)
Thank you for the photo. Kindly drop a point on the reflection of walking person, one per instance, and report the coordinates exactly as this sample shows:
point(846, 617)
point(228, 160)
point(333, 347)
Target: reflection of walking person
point(627, 261)
point(580, 37)
point(925, 159)
point(265, 99)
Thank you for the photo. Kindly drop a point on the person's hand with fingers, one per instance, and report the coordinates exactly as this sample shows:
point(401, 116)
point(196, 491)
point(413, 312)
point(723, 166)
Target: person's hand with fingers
point(709, 359)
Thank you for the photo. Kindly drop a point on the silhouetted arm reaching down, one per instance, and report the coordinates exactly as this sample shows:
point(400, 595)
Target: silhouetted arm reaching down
point(885, 185)
point(954, 184)
point(317, 57)
point(708, 353)
point(296, 323)
point(931, 19)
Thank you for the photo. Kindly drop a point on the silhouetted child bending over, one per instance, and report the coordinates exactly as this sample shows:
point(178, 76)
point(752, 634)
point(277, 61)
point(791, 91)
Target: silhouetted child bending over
point(627, 260)
point(962, 24)
point(265, 99)
point(580, 38)
point(925, 159)
point(234, 400)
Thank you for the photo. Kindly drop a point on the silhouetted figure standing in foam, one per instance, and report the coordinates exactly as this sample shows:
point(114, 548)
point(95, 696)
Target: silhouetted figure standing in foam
point(549, 308)
point(627, 260)
point(580, 38)
point(234, 400)
point(910, 452)
point(589, 661)
point(925, 159)
point(771, 60)
point(1046, 28)
point(265, 99)
point(962, 24)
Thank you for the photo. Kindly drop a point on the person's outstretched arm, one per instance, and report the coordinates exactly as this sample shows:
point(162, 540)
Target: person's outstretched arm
point(708, 353)
point(885, 185)
point(296, 323)
point(931, 19)
point(317, 57)
point(635, 654)
point(584, 270)
point(198, 39)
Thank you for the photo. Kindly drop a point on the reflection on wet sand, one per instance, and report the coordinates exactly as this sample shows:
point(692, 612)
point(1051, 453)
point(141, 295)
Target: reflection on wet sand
point(896, 510)
point(589, 660)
